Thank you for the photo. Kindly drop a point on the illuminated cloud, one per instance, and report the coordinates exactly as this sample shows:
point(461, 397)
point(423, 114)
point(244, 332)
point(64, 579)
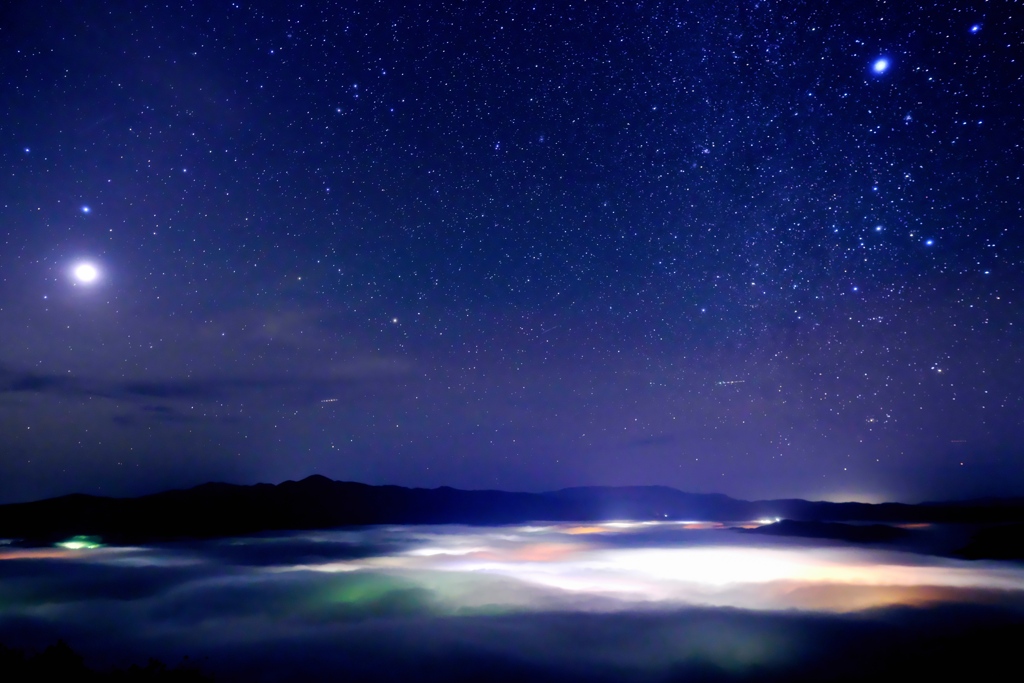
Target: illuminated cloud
point(542, 602)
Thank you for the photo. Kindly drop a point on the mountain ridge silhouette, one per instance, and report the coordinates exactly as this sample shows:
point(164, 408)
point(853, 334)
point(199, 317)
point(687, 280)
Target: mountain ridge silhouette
point(218, 509)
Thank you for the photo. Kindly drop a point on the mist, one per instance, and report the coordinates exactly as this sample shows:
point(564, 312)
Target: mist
point(605, 602)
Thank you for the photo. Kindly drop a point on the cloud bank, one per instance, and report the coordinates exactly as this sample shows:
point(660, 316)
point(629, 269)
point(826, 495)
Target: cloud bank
point(515, 603)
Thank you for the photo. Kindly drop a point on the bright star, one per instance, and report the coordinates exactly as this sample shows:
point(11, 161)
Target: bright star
point(86, 209)
point(86, 273)
point(975, 28)
point(880, 66)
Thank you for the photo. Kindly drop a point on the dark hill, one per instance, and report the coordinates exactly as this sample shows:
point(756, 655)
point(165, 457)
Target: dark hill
point(316, 502)
point(1000, 542)
point(853, 533)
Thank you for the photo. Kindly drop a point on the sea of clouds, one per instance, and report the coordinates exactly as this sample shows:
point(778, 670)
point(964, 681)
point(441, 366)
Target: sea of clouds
point(609, 602)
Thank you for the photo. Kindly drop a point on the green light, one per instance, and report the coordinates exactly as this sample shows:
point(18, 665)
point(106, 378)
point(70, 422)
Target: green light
point(367, 588)
point(81, 543)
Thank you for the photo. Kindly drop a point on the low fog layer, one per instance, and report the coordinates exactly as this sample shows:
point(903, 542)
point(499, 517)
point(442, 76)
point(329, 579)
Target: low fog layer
point(595, 602)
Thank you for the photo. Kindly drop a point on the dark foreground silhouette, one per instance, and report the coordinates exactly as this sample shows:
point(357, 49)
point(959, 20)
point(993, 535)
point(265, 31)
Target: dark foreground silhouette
point(58, 662)
point(959, 644)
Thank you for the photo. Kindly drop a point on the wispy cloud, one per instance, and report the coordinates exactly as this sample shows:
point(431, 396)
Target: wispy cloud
point(338, 380)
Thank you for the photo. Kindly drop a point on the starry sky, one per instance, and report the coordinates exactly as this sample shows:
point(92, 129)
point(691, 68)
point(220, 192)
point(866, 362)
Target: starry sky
point(768, 249)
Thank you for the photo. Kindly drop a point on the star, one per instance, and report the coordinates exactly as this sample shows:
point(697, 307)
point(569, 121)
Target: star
point(86, 273)
point(880, 66)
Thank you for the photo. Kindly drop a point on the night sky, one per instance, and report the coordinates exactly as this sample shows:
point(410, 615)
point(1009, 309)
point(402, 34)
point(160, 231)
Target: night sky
point(761, 248)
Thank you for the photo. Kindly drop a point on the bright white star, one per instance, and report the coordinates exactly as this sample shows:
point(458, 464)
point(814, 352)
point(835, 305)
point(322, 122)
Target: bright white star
point(880, 66)
point(86, 273)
